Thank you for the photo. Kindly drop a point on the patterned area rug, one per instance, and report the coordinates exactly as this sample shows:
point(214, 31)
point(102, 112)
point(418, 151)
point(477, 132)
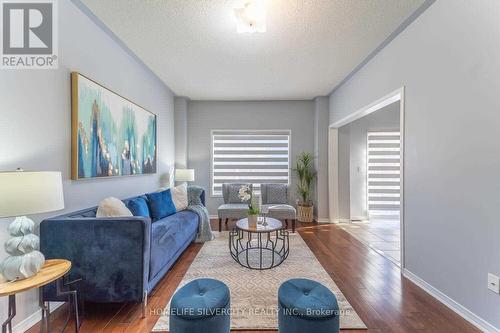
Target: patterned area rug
point(254, 294)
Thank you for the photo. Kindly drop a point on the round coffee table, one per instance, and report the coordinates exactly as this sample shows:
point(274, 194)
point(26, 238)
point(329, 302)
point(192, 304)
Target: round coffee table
point(261, 247)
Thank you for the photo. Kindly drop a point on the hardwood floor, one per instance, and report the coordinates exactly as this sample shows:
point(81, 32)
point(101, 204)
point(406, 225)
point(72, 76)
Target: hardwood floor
point(385, 301)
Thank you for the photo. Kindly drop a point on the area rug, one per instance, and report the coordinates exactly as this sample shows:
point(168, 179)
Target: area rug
point(254, 294)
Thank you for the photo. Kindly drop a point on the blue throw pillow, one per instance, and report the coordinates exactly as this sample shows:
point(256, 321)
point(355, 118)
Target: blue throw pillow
point(138, 207)
point(161, 204)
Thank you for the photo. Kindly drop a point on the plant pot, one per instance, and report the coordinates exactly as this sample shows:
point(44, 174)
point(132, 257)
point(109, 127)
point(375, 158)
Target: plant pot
point(305, 213)
point(252, 221)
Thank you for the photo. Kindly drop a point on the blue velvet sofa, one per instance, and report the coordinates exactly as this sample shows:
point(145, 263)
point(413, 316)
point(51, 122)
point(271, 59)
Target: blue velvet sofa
point(119, 259)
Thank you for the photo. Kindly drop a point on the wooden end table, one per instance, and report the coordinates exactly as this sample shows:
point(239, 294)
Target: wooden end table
point(52, 270)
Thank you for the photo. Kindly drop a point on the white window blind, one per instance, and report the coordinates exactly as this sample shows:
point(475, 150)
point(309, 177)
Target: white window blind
point(383, 157)
point(257, 157)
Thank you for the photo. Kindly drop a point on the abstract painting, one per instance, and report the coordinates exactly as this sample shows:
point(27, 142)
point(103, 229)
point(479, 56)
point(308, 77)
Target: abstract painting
point(111, 136)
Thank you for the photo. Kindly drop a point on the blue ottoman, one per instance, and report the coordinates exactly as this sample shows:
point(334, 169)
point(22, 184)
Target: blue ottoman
point(201, 306)
point(307, 306)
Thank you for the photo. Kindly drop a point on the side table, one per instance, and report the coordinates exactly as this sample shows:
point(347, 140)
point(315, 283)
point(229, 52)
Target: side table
point(259, 247)
point(52, 270)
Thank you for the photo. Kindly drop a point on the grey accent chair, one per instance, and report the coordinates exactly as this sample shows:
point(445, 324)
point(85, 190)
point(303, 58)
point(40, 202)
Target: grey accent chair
point(275, 199)
point(232, 208)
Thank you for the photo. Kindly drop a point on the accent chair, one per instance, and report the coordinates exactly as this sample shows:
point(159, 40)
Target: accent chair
point(275, 198)
point(232, 208)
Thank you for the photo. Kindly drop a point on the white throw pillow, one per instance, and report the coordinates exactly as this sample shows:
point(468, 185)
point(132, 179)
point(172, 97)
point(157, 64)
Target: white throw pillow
point(180, 197)
point(112, 207)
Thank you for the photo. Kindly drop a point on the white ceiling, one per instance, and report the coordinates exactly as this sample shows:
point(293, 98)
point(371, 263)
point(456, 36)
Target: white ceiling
point(309, 46)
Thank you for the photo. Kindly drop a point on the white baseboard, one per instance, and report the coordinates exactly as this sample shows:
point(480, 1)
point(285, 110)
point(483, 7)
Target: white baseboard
point(342, 221)
point(359, 218)
point(32, 320)
point(462, 311)
point(213, 217)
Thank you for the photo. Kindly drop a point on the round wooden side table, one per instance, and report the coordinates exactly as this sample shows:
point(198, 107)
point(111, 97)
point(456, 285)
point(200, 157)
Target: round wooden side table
point(52, 270)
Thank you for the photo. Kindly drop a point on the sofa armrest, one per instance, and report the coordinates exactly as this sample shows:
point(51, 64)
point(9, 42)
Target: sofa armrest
point(110, 254)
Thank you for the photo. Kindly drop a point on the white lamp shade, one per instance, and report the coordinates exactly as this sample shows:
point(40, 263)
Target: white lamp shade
point(184, 175)
point(25, 193)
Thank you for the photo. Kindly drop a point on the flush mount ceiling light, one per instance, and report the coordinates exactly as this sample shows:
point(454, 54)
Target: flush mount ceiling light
point(251, 17)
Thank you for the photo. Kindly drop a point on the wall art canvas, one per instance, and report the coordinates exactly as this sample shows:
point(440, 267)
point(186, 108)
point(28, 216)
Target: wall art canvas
point(111, 136)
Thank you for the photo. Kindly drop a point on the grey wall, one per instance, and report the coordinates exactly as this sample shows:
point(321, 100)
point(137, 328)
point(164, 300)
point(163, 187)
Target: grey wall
point(35, 119)
point(321, 122)
point(352, 153)
point(204, 116)
point(181, 140)
point(448, 62)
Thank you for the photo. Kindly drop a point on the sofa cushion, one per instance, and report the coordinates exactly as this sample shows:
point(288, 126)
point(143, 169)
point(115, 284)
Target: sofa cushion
point(138, 206)
point(168, 236)
point(160, 204)
point(112, 207)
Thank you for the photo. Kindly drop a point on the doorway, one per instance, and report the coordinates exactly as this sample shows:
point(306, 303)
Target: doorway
point(366, 175)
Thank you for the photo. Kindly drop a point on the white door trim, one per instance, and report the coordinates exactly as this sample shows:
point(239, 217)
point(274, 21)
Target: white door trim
point(333, 162)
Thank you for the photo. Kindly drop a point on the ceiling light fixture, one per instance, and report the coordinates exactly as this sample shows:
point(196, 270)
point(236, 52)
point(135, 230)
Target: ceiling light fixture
point(251, 17)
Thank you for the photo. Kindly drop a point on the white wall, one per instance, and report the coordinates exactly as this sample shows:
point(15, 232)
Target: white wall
point(35, 119)
point(204, 116)
point(448, 60)
point(344, 144)
point(352, 148)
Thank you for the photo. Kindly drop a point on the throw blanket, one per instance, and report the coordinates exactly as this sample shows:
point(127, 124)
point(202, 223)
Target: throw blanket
point(204, 230)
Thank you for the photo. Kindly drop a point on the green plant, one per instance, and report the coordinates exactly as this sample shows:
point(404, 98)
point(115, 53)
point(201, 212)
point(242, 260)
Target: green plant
point(245, 195)
point(305, 172)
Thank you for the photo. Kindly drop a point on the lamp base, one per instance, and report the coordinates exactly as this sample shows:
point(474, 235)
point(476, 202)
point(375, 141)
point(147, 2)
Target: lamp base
point(24, 260)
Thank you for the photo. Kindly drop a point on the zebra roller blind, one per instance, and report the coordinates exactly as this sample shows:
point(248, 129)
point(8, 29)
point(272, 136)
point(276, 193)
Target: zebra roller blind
point(256, 157)
point(383, 174)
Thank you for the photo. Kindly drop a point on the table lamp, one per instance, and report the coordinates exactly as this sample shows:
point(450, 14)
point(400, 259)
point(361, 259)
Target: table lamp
point(184, 175)
point(25, 193)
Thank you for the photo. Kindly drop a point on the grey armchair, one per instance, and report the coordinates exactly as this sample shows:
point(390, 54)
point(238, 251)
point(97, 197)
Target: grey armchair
point(232, 208)
point(275, 199)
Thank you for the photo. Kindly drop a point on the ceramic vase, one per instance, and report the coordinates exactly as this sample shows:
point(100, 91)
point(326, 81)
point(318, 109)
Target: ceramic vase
point(252, 220)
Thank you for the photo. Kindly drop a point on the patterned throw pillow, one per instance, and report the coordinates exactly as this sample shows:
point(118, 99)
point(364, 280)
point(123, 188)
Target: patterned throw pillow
point(233, 196)
point(276, 194)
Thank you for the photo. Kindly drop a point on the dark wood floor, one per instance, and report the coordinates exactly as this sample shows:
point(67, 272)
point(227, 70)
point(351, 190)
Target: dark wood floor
point(385, 301)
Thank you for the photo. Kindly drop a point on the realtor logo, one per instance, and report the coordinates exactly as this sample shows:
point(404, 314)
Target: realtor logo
point(29, 34)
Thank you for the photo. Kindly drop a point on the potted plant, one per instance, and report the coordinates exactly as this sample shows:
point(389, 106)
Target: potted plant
point(245, 195)
point(305, 172)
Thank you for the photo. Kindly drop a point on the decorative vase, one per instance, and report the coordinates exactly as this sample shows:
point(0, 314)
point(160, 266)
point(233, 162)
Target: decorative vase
point(305, 213)
point(24, 260)
point(252, 221)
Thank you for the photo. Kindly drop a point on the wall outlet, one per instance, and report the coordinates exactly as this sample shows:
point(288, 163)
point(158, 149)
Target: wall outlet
point(493, 283)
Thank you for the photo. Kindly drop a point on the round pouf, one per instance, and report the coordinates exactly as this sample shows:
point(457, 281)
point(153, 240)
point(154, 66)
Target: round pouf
point(307, 306)
point(202, 305)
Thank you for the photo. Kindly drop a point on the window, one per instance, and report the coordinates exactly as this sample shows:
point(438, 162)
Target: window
point(383, 174)
point(256, 157)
